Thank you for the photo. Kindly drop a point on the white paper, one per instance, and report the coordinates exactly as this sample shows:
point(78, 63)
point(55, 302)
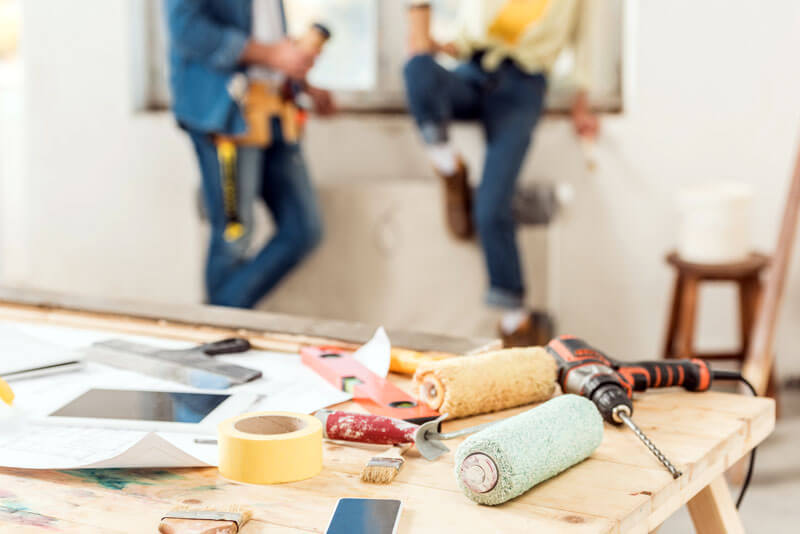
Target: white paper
point(286, 385)
point(376, 354)
point(20, 351)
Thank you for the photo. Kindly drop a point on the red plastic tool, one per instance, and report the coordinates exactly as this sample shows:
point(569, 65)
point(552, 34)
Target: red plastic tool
point(376, 394)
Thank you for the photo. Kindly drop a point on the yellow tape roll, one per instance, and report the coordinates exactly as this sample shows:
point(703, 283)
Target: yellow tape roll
point(270, 447)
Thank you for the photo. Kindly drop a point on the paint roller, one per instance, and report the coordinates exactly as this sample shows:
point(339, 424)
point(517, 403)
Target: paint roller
point(487, 382)
point(509, 458)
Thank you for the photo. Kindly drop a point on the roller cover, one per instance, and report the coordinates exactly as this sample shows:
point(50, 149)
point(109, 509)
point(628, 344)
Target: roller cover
point(533, 446)
point(487, 382)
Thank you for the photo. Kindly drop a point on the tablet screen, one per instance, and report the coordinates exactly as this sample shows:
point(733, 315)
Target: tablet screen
point(163, 406)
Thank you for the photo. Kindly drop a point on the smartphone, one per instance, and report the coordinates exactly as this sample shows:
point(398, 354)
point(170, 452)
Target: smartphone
point(151, 410)
point(365, 516)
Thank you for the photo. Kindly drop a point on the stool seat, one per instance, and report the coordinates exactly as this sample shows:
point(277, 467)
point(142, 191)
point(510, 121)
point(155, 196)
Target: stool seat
point(750, 266)
point(745, 274)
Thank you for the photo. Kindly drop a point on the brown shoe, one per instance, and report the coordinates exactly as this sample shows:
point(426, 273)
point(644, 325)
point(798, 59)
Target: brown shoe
point(535, 331)
point(458, 202)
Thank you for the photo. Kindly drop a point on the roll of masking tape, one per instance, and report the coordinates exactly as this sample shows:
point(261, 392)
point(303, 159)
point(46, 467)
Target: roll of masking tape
point(270, 447)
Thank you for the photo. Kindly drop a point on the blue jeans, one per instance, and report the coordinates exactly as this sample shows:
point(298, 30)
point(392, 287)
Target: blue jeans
point(278, 175)
point(508, 103)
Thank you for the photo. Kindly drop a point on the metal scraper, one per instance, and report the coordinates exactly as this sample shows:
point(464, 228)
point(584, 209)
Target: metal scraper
point(195, 367)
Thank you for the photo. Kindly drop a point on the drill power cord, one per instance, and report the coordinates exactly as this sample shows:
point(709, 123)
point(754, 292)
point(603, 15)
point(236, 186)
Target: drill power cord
point(719, 374)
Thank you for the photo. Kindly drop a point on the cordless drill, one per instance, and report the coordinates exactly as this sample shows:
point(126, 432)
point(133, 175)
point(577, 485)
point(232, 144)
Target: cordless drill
point(584, 370)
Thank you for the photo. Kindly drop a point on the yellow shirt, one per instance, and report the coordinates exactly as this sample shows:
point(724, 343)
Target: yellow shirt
point(530, 32)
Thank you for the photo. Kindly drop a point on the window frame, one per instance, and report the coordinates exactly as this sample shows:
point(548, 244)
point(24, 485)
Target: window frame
point(151, 92)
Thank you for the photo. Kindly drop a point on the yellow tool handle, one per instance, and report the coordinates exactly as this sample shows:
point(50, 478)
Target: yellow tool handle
point(6, 393)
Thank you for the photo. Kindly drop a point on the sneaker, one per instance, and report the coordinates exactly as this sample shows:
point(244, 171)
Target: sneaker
point(536, 330)
point(458, 202)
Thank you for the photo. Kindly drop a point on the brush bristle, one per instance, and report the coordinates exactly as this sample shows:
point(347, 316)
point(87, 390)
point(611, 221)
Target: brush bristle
point(380, 473)
point(383, 469)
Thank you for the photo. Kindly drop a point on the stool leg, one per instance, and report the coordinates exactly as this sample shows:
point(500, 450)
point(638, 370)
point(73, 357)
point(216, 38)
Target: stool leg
point(674, 312)
point(687, 317)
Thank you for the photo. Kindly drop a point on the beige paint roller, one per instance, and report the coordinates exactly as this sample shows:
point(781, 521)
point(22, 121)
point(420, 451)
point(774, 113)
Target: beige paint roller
point(486, 382)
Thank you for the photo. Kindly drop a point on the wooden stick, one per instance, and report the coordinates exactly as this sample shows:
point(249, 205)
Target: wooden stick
point(758, 364)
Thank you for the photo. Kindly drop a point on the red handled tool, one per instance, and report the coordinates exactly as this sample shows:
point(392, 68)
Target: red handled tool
point(380, 430)
point(376, 394)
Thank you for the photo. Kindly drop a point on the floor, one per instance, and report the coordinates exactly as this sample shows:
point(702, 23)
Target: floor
point(772, 503)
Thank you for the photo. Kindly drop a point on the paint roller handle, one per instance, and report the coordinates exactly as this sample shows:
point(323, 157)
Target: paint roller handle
point(693, 375)
point(365, 428)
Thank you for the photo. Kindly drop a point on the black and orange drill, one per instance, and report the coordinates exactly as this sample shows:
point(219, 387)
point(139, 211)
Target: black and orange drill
point(586, 371)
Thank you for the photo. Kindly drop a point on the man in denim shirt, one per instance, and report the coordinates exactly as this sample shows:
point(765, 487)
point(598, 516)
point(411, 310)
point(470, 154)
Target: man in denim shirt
point(215, 46)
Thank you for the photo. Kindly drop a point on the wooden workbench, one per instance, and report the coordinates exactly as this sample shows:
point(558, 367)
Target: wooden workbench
point(621, 489)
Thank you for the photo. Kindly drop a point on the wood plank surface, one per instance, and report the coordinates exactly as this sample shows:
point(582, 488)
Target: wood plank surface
point(620, 489)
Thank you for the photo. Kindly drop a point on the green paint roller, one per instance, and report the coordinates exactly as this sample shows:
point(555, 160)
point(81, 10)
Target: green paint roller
point(510, 457)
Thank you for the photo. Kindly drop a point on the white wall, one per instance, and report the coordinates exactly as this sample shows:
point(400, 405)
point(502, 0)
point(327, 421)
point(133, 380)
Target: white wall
point(110, 194)
point(107, 203)
point(716, 97)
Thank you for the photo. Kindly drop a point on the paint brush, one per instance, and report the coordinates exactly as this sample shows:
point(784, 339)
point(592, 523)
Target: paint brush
point(384, 468)
point(190, 520)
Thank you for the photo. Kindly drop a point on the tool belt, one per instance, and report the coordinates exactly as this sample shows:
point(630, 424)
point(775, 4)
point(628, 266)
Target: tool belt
point(262, 103)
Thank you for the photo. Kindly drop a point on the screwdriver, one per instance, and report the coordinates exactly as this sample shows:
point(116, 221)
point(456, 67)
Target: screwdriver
point(610, 384)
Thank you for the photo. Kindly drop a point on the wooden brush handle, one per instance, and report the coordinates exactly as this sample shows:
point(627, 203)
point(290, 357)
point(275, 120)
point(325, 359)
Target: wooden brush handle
point(196, 526)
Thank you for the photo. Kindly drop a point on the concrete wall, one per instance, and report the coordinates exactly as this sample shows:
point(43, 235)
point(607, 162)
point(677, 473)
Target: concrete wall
point(713, 95)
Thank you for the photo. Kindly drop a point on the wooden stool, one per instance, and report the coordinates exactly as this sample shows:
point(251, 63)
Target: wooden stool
point(682, 318)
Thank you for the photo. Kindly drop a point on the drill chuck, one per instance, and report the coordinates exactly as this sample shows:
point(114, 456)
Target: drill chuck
point(611, 400)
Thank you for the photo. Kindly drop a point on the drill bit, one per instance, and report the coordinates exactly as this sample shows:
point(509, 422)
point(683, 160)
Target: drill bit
point(623, 413)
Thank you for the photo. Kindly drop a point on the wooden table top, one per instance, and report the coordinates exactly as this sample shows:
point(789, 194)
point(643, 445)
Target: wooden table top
point(621, 489)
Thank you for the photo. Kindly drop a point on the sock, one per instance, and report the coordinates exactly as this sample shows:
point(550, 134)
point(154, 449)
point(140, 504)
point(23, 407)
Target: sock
point(444, 158)
point(511, 320)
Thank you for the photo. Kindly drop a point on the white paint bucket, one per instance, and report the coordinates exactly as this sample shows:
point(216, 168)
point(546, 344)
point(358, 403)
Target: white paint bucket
point(715, 222)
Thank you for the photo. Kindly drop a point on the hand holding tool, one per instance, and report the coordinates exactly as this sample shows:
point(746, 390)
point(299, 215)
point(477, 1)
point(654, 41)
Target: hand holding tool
point(380, 430)
point(586, 371)
point(194, 367)
point(312, 42)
